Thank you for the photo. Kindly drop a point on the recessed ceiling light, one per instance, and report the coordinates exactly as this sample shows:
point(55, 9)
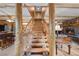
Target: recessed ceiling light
point(32, 8)
point(24, 23)
point(10, 20)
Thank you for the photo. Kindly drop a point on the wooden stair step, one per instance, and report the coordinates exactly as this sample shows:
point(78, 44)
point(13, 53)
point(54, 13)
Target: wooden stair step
point(39, 50)
point(39, 44)
point(38, 37)
point(36, 42)
point(36, 53)
point(39, 40)
point(35, 46)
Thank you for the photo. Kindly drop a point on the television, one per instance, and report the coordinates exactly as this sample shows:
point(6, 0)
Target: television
point(2, 27)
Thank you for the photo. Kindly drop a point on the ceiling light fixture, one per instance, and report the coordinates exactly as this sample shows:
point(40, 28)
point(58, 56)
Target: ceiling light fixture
point(24, 23)
point(10, 20)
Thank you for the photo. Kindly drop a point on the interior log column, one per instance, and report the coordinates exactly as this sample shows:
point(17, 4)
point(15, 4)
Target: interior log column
point(19, 40)
point(52, 28)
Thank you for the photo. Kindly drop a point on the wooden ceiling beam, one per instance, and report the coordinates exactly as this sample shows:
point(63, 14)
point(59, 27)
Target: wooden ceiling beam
point(31, 10)
point(43, 12)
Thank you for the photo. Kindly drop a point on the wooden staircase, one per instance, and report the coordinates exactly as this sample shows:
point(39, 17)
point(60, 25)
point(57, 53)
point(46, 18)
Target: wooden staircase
point(39, 43)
